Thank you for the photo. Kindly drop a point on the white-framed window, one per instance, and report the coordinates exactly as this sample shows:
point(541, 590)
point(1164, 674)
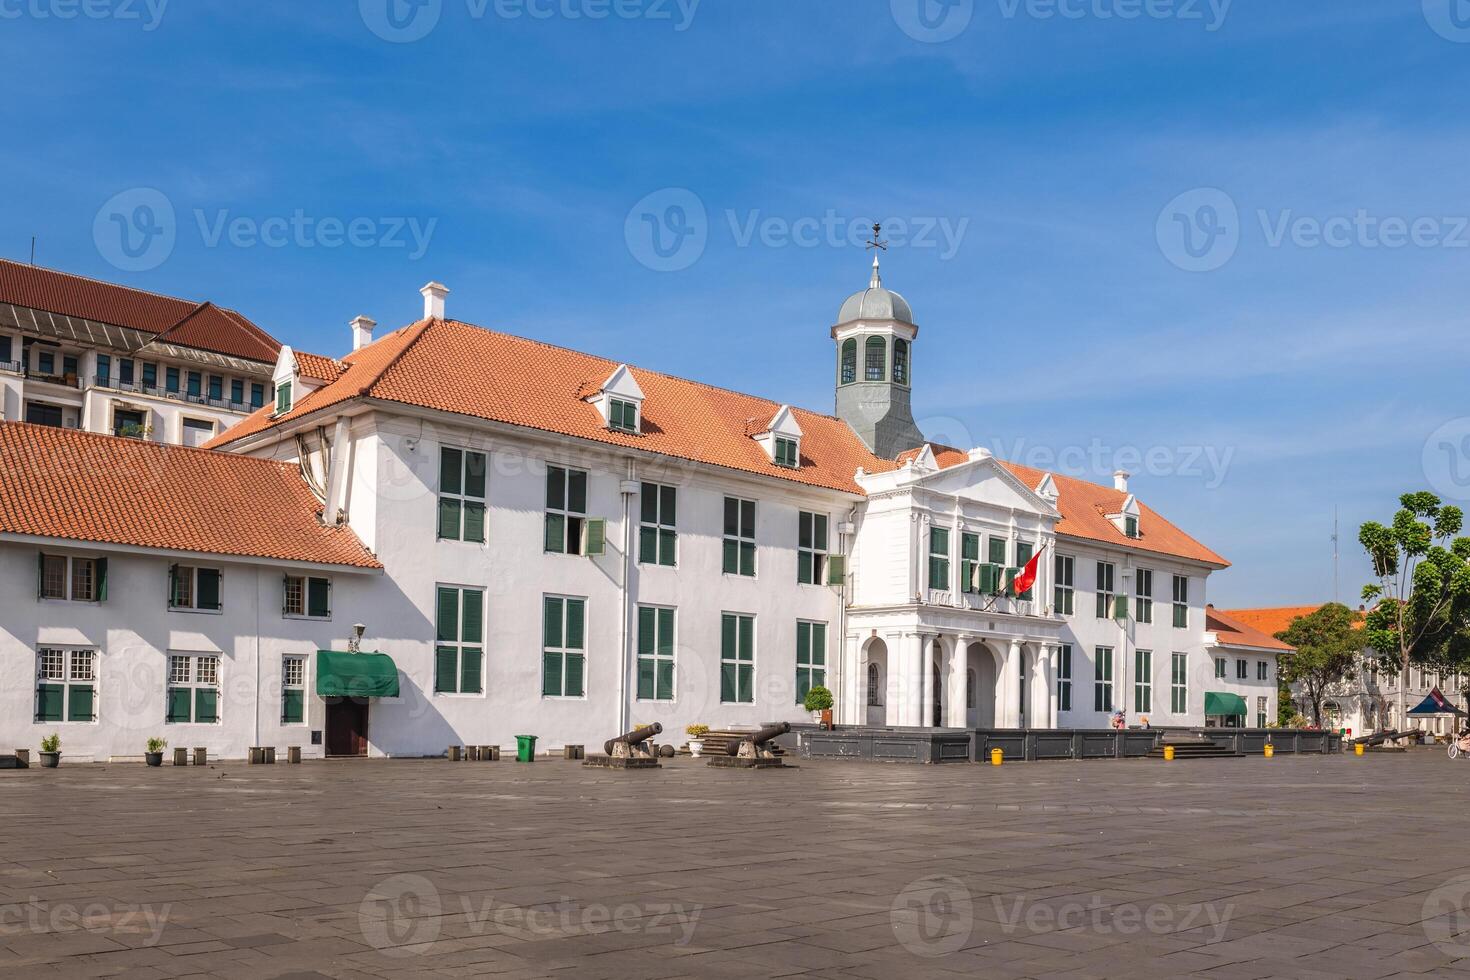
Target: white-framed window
point(656, 644)
point(1261, 670)
point(1143, 681)
point(1130, 526)
point(1143, 592)
point(739, 541)
point(811, 549)
point(1260, 712)
point(293, 690)
point(1064, 677)
point(306, 596)
point(72, 579)
point(566, 509)
point(939, 558)
point(622, 415)
point(1219, 667)
point(283, 395)
point(1241, 670)
point(811, 657)
point(459, 647)
point(1105, 589)
point(193, 689)
point(461, 495)
point(1066, 585)
point(564, 647)
point(1102, 679)
point(1179, 684)
point(658, 535)
point(66, 684)
point(786, 453)
point(1181, 602)
point(193, 588)
point(737, 658)
point(875, 692)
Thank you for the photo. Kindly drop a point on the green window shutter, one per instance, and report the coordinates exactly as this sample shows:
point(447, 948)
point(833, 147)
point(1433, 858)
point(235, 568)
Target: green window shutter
point(729, 682)
point(1120, 607)
point(81, 703)
point(179, 703)
point(647, 679)
point(293, 706)
point(747, 559)
point(747, 684)
point(594, 532)
point(556, 488)
point(574, 688)
point(804, 567)
point(444, 670)
point(731, 565)
point(206, 705)
point(819, 644)
point(576, 491)
point(727, 637)
point(474, 474)
point(803, 643)
point(648, 545)
point(209, 589)
point(473, 617)
point(474, 521)
point(666, 632)
point(318, 597)
point(666, 539)
point(747, 637)
point(49, 698)
point(647, 626)
point(668, 505)
point(448, 615)
point(556, 534)
point(173, 583)
point(101, 579)
point(576, 610)
point(451, 463)
point(551, 620)
point(41, 576)
point(449, 518)
point(665, 690)
point(470, 677)
point(551, 674)
point(836, 569)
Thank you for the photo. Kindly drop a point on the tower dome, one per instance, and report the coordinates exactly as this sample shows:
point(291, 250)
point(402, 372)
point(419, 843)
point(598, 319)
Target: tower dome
point(875, 303)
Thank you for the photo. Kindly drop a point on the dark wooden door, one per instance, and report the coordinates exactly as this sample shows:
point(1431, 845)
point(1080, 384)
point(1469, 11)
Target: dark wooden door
point(347, 722)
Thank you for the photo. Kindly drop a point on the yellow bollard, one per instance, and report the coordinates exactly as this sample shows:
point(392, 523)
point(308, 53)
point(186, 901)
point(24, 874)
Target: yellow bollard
point(1168, 753)
point(996, 757)
point(1358, 749)
point(1270, 750)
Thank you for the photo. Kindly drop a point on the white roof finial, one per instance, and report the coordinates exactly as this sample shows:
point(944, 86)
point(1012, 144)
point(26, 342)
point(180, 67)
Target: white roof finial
point(877, 279)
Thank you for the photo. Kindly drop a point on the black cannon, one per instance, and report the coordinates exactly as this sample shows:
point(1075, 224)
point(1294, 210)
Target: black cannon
point(753, 751)
point(630, 750)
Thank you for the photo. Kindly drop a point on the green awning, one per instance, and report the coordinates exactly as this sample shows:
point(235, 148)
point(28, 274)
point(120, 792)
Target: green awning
point(355, 675)
point(1230, 705)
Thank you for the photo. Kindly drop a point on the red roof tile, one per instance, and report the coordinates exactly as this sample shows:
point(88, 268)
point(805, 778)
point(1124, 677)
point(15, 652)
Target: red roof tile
point(1275, 619)
point(79, 486)
point(1231, 632)
point(179, 321)
point(318, 368)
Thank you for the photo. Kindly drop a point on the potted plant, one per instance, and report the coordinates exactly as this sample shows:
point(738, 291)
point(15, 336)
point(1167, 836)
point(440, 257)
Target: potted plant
point(51, 751)
point(696, 735)
point(819, 703)
point(154, 755)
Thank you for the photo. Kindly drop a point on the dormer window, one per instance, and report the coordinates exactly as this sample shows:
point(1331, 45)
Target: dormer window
point(622, 415)
point(786, 453)
point(283, 398)
point(1126, 519)
point(1130, 526)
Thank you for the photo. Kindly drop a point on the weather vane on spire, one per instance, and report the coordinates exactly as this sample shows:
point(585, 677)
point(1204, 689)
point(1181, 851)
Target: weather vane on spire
point(878, 242)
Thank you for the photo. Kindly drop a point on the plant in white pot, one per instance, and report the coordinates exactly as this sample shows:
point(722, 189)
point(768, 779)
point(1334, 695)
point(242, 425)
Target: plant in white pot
point(819, 702)
point(696, 735)
point(51, 751)
point(154, 755)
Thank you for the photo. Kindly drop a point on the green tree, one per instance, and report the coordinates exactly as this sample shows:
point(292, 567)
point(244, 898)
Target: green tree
point(1326, 653)
point(1420, 607)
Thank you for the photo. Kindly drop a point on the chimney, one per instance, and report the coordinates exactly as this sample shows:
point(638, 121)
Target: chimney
point(1120, 481)
point(434, 294)
point(362, 331)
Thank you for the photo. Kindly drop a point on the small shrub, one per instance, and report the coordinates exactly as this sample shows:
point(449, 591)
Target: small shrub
point(51, 743)
point(157, 745)
point(697, 731)
point(818, 699)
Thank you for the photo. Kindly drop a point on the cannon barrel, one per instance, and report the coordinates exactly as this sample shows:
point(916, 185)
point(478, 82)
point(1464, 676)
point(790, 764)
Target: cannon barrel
point(760, 737)
point(634, 737)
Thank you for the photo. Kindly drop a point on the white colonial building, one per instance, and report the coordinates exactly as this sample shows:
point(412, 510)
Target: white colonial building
point(540, 541)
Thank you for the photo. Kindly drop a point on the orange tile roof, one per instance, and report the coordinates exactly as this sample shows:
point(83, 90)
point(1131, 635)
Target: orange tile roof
point(460, 368)
point(1276, 619)
point(1232, 632)
point(80, 486)
point(179, 321)
point(317, 367)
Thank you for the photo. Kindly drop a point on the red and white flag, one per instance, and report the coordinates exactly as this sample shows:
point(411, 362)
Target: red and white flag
point(1027, 578)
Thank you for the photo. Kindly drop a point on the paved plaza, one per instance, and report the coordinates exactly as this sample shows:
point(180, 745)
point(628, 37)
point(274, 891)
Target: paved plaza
point(1239, 868)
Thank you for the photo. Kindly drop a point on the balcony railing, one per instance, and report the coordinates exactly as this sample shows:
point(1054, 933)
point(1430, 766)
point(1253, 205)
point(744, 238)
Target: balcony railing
point(12, 367)
point(106, 381)
point(63, 380)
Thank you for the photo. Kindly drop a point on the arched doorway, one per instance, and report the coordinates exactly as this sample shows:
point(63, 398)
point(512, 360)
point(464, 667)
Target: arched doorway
point(875, 682)
point(984, 673)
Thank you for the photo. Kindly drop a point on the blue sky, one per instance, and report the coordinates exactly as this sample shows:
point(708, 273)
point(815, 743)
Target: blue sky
point(1222, 243)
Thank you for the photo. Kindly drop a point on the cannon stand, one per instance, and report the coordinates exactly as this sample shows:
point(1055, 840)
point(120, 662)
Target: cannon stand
point(631, 750)
point(753, 751)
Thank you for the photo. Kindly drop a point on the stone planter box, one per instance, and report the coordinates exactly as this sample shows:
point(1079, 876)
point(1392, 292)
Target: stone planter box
point(912, 745)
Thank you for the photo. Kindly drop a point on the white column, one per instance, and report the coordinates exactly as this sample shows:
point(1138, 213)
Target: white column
point(1008, 691)
point(913, 680)
point(1042, 686)
point(958, 666)
point(851, 699)
point(926, 681)
point(1053, 659)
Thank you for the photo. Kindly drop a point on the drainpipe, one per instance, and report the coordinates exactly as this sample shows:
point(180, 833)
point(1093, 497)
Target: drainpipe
point(628, 488)
point(257, 655)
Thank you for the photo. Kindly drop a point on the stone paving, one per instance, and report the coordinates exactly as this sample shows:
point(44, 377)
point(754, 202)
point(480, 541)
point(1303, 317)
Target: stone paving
point(1239, 868)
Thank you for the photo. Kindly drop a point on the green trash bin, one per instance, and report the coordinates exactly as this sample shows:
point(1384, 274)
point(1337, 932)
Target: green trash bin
point(525, 748)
